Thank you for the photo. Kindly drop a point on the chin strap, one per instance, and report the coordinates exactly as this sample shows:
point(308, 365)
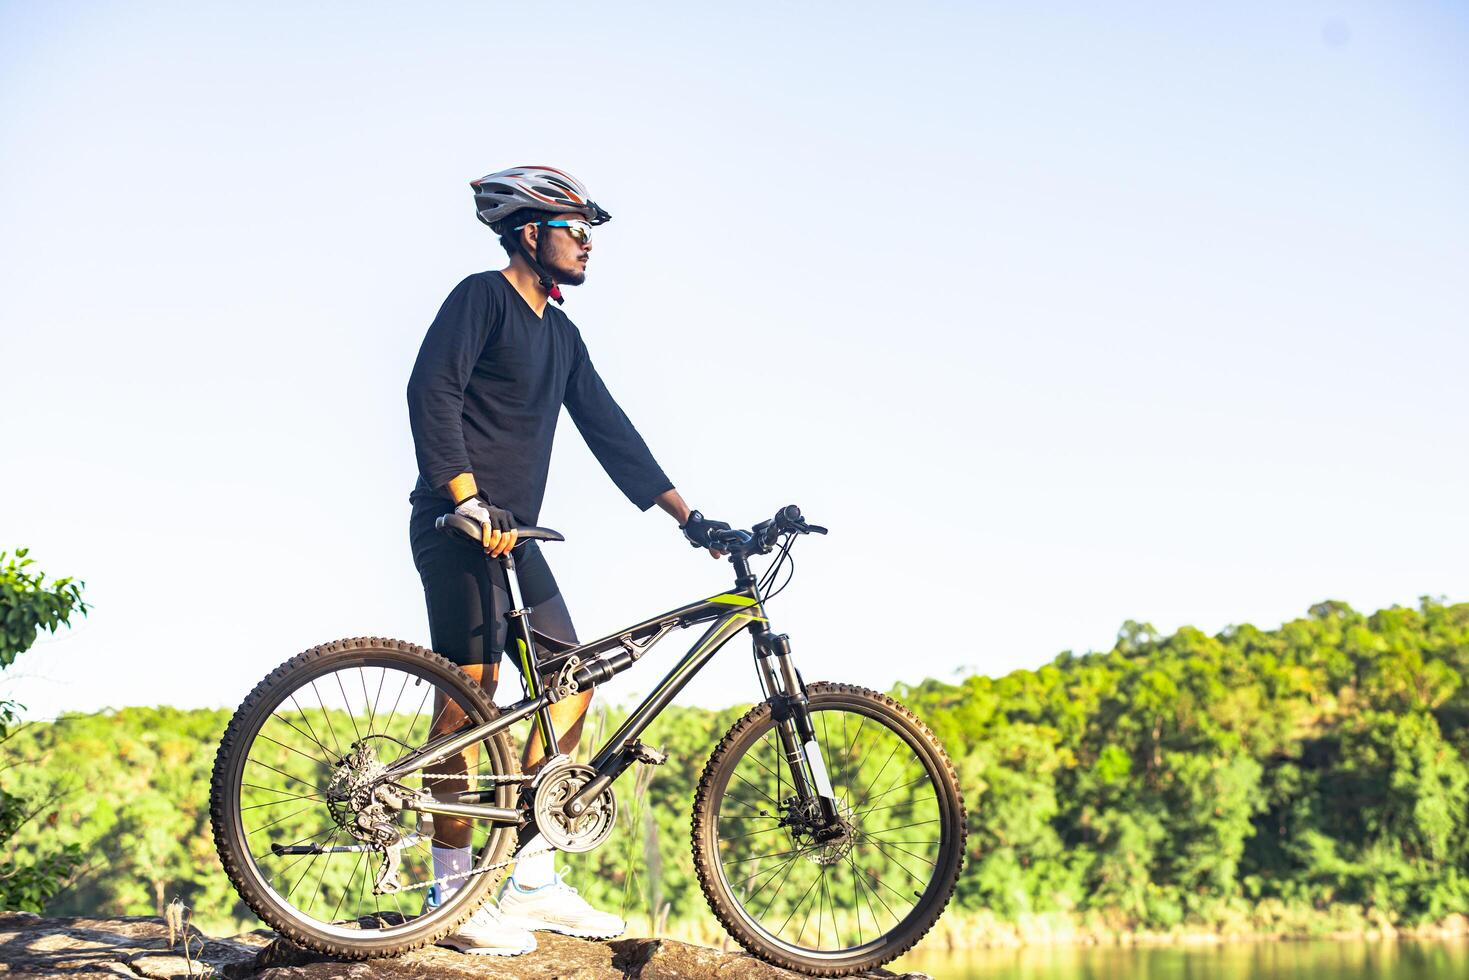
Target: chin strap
point(547, 283)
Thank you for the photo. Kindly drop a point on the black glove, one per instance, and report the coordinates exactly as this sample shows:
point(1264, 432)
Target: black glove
point(478, 509)
point(698, 529)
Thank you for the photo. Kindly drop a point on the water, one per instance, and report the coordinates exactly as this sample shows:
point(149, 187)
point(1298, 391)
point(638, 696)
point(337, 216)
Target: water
point(1314, 960)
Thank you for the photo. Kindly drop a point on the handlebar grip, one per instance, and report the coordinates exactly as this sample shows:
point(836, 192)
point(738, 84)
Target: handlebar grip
point(790, 512)
point(731, 537)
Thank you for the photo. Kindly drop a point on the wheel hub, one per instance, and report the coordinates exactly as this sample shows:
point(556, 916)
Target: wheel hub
point(357, 801)
point(822, 845)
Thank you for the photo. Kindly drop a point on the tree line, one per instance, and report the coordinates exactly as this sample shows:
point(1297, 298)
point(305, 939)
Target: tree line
point(1288, 779)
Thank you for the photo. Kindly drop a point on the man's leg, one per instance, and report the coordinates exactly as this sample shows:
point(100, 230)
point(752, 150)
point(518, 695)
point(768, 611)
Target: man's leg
point(535, 894)
point(550, 616)
point(461, 604)
point(569, 717)
point(454, 833)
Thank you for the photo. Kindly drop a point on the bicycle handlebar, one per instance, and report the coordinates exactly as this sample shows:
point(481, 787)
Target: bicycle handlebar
point(787, 520)
point(759, 540)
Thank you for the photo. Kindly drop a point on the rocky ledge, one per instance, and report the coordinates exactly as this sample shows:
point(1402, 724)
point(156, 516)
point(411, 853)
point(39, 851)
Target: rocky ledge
point(135, 946)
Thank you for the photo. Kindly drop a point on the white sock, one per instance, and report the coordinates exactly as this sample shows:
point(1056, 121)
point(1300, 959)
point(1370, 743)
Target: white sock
point(450, 861)
point(536, 870)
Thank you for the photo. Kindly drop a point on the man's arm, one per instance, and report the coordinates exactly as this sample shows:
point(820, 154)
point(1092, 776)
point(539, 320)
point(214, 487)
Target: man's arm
point(672, 504)
point(611, 436)
point(617, 445)
point(446, 359)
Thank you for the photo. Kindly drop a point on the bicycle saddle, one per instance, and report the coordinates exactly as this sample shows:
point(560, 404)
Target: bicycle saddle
point(466, 528)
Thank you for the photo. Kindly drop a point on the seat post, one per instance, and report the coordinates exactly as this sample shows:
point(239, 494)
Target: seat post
point(530, 667)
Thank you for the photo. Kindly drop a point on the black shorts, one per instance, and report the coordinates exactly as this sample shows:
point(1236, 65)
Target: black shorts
point(468, 597)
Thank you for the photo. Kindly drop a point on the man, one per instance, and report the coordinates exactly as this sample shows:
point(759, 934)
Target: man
point(495, 367)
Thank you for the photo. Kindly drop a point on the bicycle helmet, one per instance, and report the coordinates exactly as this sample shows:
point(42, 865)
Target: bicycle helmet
point(499, 195)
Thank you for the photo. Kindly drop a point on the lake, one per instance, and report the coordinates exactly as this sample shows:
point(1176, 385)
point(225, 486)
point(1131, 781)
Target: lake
point(1310, 960)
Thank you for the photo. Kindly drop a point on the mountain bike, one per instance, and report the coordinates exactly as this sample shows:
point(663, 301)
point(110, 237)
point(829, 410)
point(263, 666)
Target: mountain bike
point(828, 826)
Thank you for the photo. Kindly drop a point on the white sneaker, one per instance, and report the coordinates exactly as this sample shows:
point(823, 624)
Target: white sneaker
point(486, 932)
point(558, 908)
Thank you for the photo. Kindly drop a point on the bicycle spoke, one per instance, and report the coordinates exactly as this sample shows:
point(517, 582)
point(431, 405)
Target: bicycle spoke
point(338, 909)
point(756, 789)
point(912, 782)
point(905, 851)
point(279, 820)
point(900, 865)
point(287, 722)
point(347, 704)
point(286, 774)
point(889, 830)
point(775, 894)
point(885, 765)
point(307, 722)
point(799, 903)
point(327, 719)
point(292, 748)
point(271, 789)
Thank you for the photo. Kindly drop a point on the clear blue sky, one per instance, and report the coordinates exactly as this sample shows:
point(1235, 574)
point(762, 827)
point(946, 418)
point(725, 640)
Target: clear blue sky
point(1057, 314)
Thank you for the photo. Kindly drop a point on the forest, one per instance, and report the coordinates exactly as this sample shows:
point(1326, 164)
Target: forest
point(1308, 779)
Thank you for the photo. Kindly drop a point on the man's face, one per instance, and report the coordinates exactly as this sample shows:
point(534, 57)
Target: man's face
point(561, 254)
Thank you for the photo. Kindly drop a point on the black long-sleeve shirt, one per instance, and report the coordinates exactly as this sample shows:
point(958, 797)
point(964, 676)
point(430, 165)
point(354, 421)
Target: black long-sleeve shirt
point(487, 390)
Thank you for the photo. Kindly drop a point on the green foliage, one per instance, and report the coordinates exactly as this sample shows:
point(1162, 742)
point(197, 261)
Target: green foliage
point(1297, 778)
point(28, 605)
point(30, 877)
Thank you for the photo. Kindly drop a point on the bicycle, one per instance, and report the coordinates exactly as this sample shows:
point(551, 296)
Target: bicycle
point(811, 804)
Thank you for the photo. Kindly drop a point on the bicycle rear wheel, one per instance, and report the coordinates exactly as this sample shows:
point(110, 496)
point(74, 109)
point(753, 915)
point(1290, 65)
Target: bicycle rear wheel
point(294, 769)
point(853, 901)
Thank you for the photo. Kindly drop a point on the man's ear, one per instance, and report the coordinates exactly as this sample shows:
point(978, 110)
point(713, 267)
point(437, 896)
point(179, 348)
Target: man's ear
point(530, 241)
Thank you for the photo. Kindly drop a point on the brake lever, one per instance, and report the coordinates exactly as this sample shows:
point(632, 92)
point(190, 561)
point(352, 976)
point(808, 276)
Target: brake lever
point(817, 528)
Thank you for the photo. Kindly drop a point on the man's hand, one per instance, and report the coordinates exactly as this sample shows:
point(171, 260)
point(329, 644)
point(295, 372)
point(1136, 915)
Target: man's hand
point(497, 525)
point(672, 504)
point(697, 529)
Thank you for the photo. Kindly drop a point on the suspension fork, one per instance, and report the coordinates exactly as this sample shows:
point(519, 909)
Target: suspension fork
point(789, 704)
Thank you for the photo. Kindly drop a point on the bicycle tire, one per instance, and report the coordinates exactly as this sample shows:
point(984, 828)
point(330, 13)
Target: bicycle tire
point(226, 787)
point(726, 906)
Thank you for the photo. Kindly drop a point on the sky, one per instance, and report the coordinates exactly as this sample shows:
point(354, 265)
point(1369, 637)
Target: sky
point(1057, 314)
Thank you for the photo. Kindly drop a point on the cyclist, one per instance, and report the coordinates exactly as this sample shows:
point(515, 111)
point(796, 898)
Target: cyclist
point(494, 370)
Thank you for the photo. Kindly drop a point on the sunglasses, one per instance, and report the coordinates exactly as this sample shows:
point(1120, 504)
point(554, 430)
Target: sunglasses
point(580, 231)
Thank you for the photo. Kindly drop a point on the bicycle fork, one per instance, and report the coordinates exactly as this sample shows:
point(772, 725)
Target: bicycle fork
point(788, 703)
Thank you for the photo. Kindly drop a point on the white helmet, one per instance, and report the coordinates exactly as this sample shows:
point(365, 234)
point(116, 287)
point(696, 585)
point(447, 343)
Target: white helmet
point(499, 195)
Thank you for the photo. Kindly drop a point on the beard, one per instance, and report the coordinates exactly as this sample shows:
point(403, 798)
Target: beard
point(561, 264)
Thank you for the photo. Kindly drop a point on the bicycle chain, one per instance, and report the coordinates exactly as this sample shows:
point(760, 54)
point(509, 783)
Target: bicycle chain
point(472, 872)
point(491, 778)
point(495, 779)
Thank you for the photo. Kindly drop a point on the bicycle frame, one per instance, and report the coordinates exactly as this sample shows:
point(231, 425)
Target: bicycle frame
point(728, 613)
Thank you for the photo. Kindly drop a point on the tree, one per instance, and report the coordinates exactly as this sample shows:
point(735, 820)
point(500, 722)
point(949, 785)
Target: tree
point(29, 605)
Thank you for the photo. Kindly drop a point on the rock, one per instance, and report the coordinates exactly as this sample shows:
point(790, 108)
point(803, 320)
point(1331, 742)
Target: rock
point(555, 957)
point(129, 946)
point(137, 946)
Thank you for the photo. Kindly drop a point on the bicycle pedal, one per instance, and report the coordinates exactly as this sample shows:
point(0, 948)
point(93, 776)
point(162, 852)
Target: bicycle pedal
point(648, 755)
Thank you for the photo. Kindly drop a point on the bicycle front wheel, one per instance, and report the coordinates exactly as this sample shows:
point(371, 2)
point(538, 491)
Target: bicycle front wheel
point(830, 904)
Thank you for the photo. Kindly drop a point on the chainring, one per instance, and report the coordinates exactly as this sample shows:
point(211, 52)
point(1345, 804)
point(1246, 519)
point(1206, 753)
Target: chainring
point(566, 833)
